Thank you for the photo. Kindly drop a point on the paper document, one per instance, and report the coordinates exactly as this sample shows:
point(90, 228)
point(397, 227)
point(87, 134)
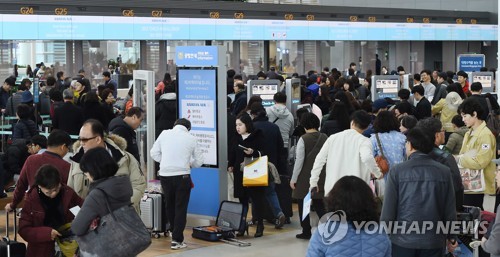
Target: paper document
point(75, 210)
point(307, 206)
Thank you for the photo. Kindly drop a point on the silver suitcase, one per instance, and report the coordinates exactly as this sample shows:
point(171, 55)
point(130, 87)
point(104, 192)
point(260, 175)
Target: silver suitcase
point(152, 214)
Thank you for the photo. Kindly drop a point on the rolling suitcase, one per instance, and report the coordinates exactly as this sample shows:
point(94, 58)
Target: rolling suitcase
point(11, 248)
point(152, 214)
point(230, 219)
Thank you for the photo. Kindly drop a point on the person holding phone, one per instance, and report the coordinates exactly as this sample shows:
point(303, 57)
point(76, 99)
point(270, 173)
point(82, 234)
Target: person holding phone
point(250, 144)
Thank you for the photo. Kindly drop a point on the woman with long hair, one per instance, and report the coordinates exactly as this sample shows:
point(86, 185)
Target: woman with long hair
point(253, 140)
point(338, 119)
point(323, 100)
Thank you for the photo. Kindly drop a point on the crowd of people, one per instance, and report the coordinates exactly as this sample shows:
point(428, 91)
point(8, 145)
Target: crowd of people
point(436, 130)
point(387, 160)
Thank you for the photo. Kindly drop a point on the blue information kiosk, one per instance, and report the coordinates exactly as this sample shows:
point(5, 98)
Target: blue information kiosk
point(202, 98)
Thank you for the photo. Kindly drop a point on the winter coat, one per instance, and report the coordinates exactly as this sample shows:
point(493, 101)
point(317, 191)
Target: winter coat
point(127, 165)
point(448, 160)
point(119, 127)
point(281, 116)
point(274, 143)
point(118, 190)
point(94, 110)
point(491, 245)
point(330, 127)
point(166, 112)
point(448, 108)
point(456, 139)
point(17, 154)
point(412, 191)
point(256, 141)
point(423, 109)
point(353, 244)
point(30, 168)
point(25, 129)
point(31, 223)
point(240, 102)
point(68, 117)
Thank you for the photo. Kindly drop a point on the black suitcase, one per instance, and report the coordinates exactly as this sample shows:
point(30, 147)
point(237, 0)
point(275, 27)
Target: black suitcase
point(11, 248)
point(229, 220)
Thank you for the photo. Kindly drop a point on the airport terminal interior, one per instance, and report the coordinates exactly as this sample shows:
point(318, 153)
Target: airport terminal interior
point(213, 50)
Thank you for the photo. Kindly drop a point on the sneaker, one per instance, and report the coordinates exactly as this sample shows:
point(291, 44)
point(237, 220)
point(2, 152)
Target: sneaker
point(280, 221)
point(176, 245)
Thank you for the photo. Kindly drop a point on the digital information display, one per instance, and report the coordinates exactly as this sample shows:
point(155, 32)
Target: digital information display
point(68, 27)
point(386, 86)
point(265, 89)
point(198, 104)
point(485, 78)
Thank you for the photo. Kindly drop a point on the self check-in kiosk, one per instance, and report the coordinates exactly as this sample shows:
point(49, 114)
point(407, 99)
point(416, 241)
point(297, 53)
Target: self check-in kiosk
point(486, 80)
point(385, 86)
point(265, 89)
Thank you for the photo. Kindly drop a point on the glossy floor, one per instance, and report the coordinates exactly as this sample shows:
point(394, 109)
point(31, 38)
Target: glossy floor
point(275, 242)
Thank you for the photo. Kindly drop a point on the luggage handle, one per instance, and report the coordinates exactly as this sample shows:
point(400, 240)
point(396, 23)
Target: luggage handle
point(7, 226)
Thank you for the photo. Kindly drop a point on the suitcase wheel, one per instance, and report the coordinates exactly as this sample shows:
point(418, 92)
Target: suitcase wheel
point(166, 234)
point(156, 235)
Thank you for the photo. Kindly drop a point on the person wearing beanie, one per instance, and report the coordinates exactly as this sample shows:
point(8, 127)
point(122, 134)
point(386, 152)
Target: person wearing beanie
point(5, 92)
point(462, 77)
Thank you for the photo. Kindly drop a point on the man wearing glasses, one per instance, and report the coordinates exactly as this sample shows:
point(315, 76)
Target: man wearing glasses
point(58, 145)
point(92, 136)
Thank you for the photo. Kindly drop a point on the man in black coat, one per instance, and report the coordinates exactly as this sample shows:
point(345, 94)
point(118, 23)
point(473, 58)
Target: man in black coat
point(413, 190)
point(424, 108)
point(273, 147)
point(68, 117)
point(125, 127)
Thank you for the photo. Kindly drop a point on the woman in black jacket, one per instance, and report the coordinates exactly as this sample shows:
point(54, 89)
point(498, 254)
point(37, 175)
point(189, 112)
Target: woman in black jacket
point(338, 119)
point(92, 109)
point(253, 140)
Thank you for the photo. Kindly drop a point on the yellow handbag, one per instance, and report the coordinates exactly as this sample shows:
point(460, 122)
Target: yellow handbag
point(255, 173)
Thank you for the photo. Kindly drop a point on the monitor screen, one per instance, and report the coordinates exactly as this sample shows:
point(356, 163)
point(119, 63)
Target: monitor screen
point(266, 92)
point(485, 80)
point(387, 88)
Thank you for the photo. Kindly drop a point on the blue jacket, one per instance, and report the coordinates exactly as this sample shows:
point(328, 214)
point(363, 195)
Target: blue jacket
point(352, 245)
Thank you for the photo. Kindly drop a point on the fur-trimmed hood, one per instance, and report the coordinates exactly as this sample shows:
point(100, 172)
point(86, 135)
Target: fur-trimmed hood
point(113, 141)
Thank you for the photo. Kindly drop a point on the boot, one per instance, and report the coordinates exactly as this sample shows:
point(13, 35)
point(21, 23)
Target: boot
point(260, 229)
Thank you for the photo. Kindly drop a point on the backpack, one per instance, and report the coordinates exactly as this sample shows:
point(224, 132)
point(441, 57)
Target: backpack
point(492, 121)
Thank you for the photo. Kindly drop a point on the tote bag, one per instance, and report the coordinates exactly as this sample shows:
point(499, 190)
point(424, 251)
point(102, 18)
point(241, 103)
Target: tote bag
point(255, 173)
point(120, 233)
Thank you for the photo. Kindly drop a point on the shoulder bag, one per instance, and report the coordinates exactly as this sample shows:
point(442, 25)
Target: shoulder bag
point(120, 233)
point(382, 162)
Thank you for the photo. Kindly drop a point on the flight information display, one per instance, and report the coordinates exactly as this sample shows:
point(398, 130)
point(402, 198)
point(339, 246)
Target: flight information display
point(57, 27)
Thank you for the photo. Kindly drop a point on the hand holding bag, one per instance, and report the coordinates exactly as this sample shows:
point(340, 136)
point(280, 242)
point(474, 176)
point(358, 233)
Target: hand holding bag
point(120, 233)
point(382, 162)
point(255, 173)
point(67, 242)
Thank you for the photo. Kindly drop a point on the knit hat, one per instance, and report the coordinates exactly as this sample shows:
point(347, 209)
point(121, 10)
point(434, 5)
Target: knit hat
point(26, 97)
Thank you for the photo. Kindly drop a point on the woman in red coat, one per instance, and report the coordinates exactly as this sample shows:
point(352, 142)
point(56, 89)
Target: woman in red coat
point(46, 208)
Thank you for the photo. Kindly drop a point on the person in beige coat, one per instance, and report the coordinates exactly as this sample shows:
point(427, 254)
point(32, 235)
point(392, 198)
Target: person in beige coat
point(91, 136)
point(447, 107)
